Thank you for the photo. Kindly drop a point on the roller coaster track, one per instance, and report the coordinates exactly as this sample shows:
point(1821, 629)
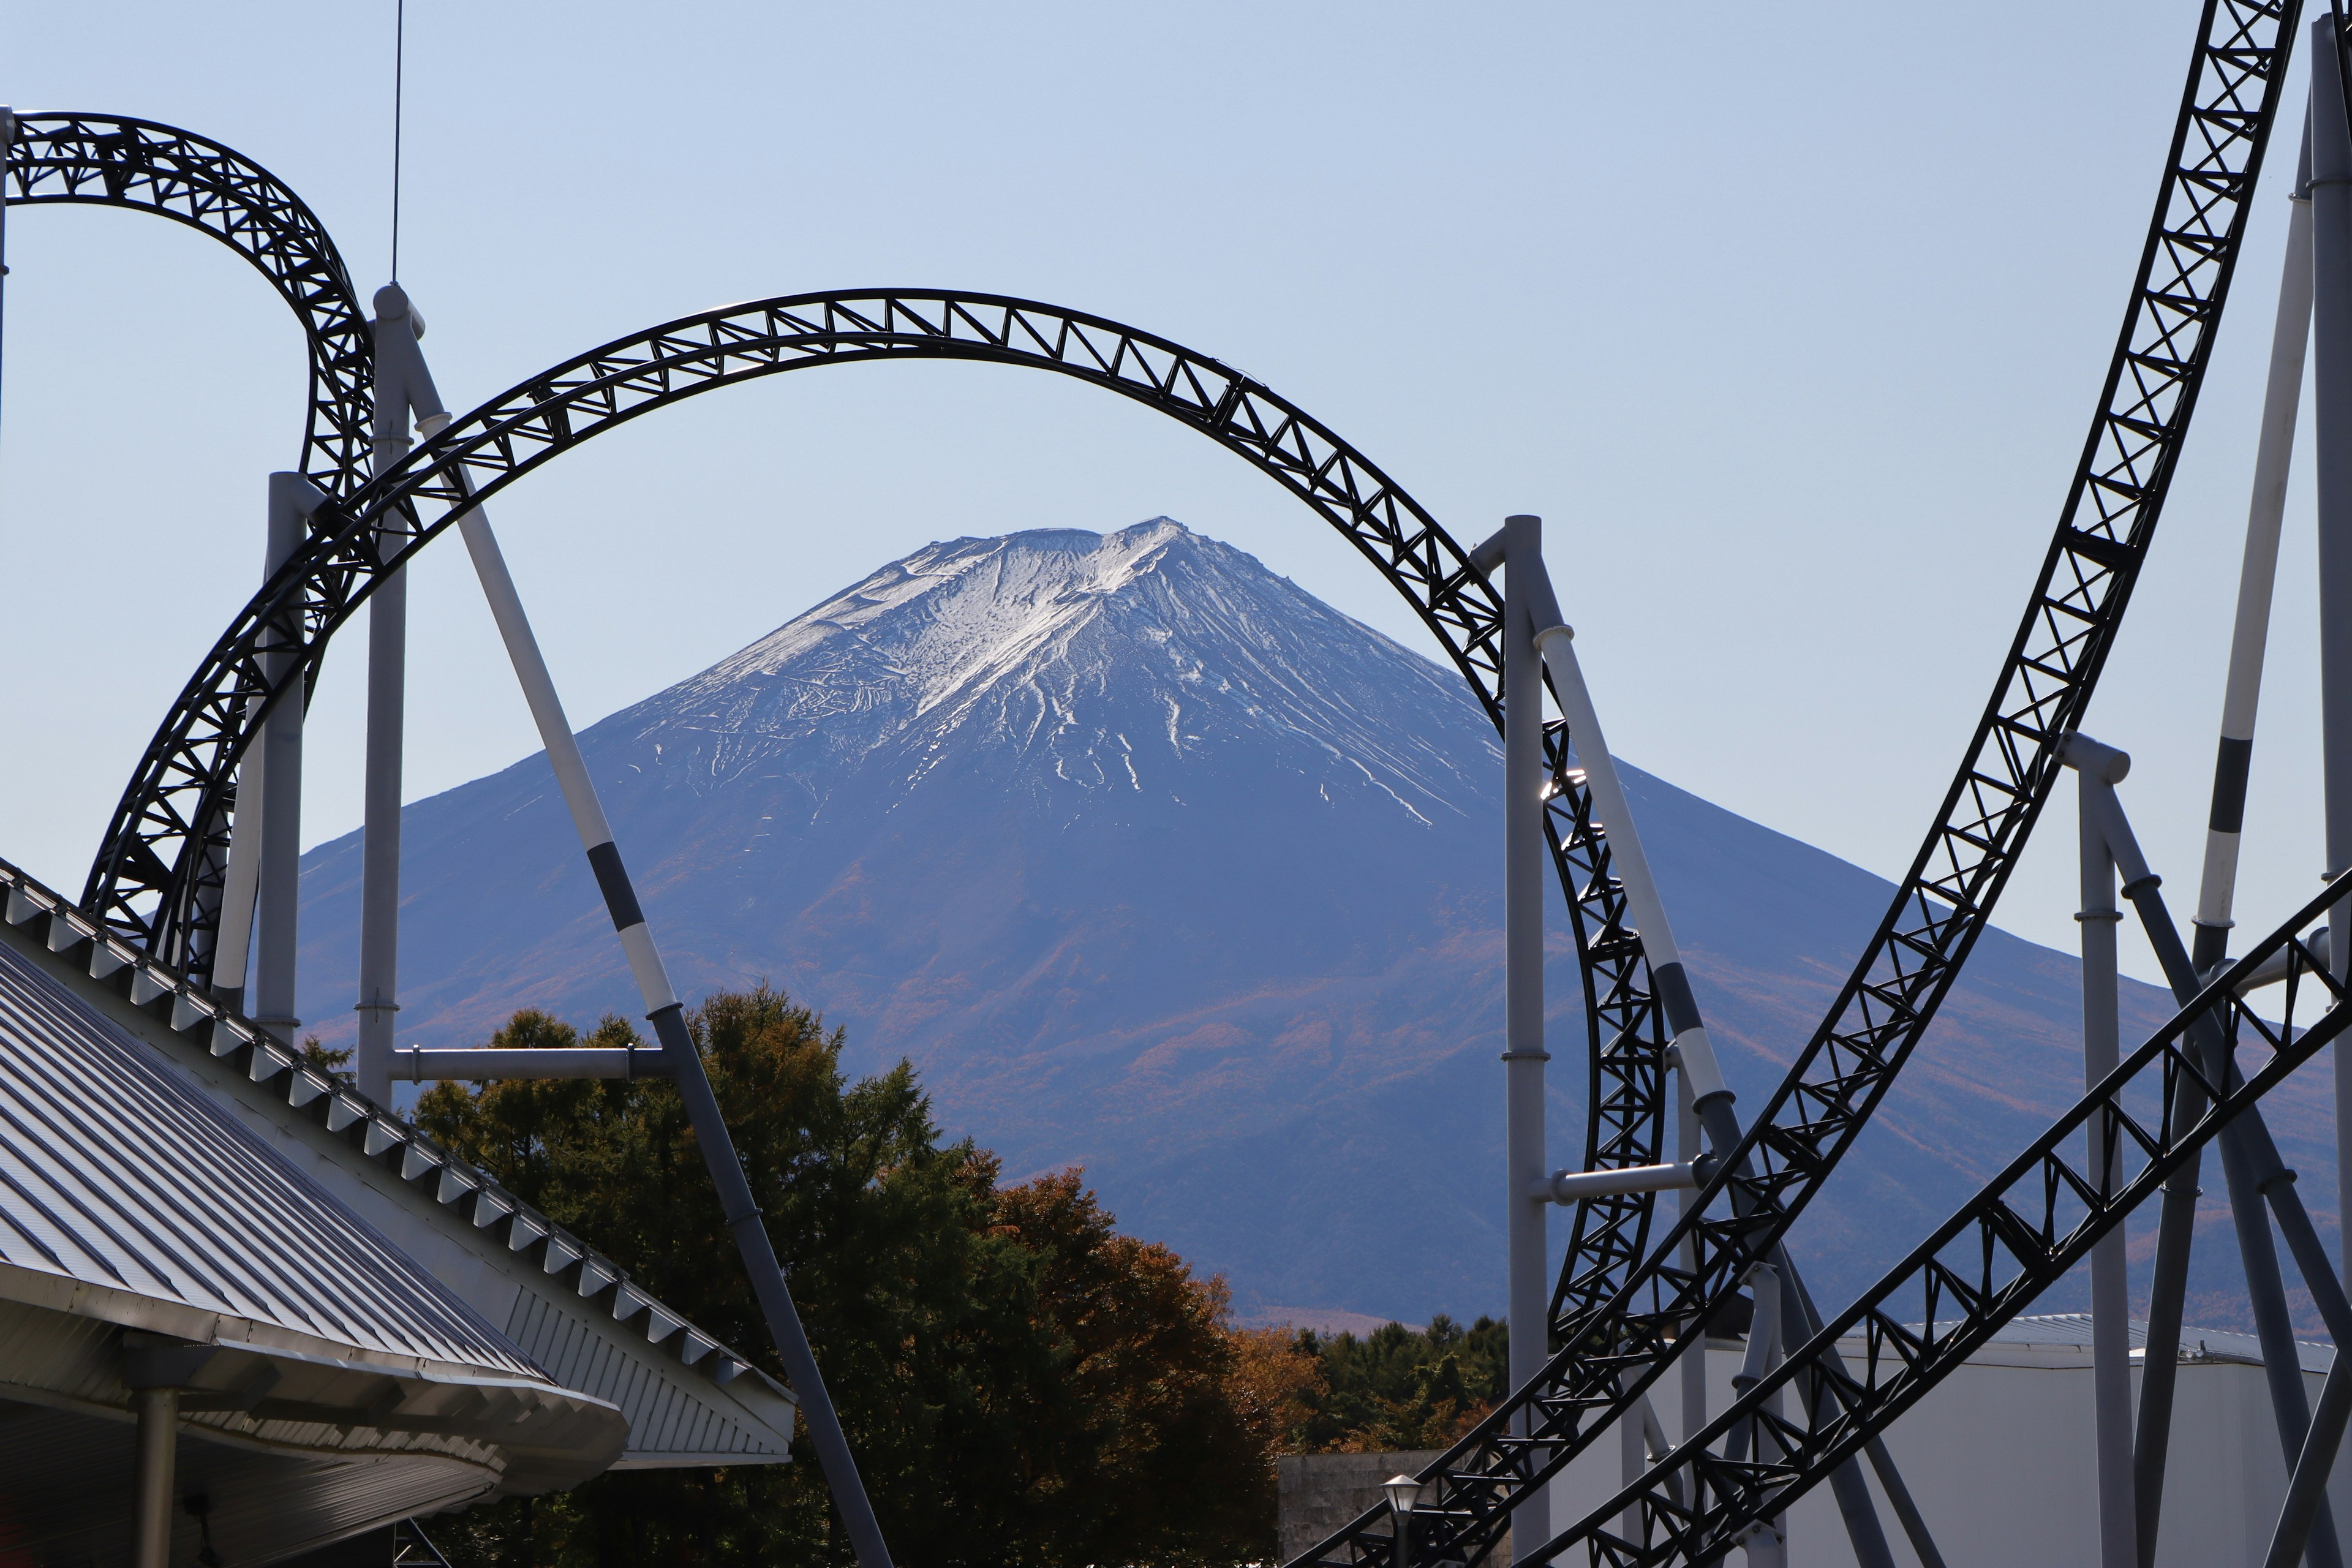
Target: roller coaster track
point(106, 160)
point(1620, 1303)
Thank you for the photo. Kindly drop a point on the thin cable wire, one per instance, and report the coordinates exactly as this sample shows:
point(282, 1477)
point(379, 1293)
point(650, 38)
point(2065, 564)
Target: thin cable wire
point(399, 64)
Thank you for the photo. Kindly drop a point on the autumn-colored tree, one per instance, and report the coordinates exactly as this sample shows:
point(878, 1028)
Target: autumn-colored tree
point(1396, 1388)
point(1021, 1385)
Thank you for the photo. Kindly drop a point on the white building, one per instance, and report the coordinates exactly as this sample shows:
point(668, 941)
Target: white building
point(1998, 1457)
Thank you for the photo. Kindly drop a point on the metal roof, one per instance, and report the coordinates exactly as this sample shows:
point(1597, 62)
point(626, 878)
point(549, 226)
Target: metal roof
point(372, 1132)
point(118, 1172)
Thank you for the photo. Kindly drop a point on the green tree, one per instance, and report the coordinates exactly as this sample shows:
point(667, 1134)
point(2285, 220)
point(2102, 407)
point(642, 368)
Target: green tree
point(1021, 1383)
point(1398, 1388)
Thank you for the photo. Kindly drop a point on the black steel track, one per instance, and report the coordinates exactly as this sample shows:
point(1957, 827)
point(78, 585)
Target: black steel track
point(108, 160)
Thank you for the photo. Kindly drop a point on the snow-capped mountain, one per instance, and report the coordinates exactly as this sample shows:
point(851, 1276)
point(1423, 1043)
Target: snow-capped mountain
point(1153, 862)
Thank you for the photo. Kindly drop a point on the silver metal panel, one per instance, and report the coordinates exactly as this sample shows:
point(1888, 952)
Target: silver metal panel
point(116, 1171)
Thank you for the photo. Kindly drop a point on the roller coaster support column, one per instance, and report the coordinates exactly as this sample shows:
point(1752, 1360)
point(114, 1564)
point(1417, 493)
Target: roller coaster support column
point(2331, 248)
point(403, 384)
point(2111, 1391)
point(1694, 1053)
point(668, 1015)
point(293, 498)
point(2250, 1161)
point(1526, 860)
point(1694, 1359)
point(2257, 577)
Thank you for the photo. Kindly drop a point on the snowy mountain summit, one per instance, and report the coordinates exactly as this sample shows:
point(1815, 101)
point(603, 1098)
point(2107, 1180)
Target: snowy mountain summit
point(1153, 863)
point(1077, 669)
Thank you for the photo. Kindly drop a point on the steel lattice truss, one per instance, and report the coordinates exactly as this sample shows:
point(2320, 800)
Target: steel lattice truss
point(2020, 1235)
point(106, 160)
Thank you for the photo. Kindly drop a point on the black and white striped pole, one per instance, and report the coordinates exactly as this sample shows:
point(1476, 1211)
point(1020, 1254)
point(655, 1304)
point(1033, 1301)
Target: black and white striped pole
point(663, 1010)
point(1693, 1053)
point(2257, 578)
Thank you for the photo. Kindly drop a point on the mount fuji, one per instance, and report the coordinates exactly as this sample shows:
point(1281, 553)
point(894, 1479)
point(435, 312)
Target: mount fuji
point(1152, 862)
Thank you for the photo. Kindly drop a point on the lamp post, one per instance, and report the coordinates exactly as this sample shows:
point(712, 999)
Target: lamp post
point(1404, 1492)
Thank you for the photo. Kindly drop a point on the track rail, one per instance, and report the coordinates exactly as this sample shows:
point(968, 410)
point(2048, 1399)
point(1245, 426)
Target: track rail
point(109, 160)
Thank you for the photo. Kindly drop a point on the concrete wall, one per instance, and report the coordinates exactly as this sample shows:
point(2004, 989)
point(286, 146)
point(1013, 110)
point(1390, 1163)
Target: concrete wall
point(1321, 1493)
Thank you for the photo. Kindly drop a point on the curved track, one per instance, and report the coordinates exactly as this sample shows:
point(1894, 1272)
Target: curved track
point(106, 160)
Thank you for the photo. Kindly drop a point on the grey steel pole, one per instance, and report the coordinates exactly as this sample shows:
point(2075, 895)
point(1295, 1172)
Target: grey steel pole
point(154, 1457)
point(2257, 579)
point(2248, 1164)
point(398, 368)
point(1526, 859)
point(668, 1015)
point(293, 498)
point(2111, 1391)
point(233, 941)
point(2331, 254)
point(2306, 1488)
point(1694, 1356)
point(1712, 1097)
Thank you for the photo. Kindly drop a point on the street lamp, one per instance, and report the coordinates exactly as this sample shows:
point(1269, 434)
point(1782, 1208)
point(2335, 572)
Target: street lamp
point(1404, 1492)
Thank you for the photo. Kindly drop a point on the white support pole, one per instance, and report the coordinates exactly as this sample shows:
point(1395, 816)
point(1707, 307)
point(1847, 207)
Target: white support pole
point(2111, 1391)
point(1711, 1095)
point(2257, 580)
point(663, 1010)
point(1527, 859)
point(233, 945)
point(293, 498)
point(1632, 865)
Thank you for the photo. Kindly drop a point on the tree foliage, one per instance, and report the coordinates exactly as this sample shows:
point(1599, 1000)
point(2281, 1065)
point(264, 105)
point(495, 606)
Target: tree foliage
point(1396, 1388)
point(1021, 1383)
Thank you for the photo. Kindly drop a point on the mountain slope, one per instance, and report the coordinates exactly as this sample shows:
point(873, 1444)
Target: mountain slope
point(1153, 862)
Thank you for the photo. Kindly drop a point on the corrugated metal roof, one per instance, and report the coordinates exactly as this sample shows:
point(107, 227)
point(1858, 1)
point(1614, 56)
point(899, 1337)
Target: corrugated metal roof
point(116, 1172)
point(189, 1016)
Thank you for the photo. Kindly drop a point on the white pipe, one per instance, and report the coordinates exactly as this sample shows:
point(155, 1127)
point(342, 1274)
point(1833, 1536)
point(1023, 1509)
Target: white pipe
point(2257, 580)
point(1568, 1186)
point(233, 941)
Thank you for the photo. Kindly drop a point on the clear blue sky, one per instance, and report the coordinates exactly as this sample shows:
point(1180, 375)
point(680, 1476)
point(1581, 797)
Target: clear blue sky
point(1789, 319)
